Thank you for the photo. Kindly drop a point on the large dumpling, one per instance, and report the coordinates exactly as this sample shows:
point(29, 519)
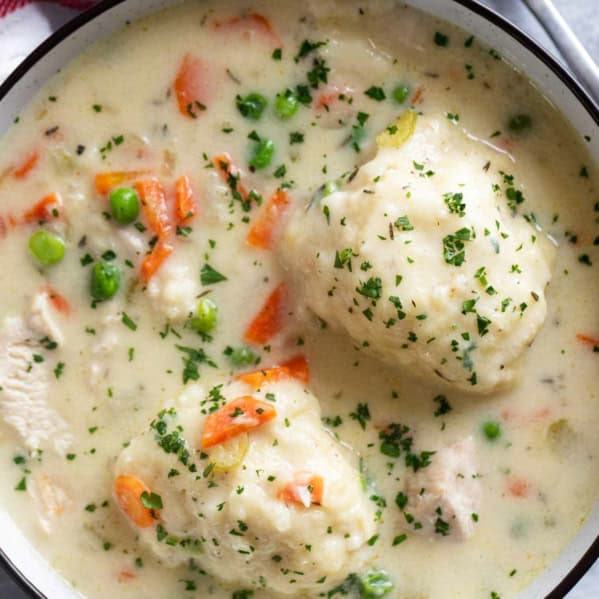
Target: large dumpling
point(273, 503)
point(421, 259)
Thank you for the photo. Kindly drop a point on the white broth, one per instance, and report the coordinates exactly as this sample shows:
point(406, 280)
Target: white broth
point(427, 486)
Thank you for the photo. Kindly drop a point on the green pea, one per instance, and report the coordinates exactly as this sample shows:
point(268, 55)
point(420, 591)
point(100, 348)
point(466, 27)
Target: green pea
point(401, 93)
point(205, 318)
point(520, 122)
point(242, 356)
point(263, 153)
point(492, 430)
point(374, 584)
point(105, 280)
point(46, 247)
point(330, 187)
point(286, 105)
point(251, 106)
point(124, 203)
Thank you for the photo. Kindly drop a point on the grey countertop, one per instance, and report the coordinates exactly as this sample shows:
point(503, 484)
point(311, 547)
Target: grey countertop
point(583, 17)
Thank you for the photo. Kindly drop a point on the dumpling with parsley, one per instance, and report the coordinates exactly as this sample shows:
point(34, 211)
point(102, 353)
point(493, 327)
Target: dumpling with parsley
point(244, 480)
point(422, 257)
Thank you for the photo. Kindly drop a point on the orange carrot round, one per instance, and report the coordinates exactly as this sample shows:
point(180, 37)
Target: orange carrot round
point(48, 208)
point(185, 204)
point(104, 182)
point(269, 321)
point(191, 86)
point(22, 170)
point(239, 416)
point(155, 259)
point(296, 367)
point(128, 491)
point(59, 302)
point(262, 233)
point(252, 23)
point(153, 202)
point(306, 489)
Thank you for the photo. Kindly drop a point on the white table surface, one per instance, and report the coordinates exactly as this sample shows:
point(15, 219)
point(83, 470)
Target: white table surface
point(582, 15)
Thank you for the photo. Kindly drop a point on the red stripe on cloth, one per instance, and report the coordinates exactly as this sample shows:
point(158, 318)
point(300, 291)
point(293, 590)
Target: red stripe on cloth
point(8, 6)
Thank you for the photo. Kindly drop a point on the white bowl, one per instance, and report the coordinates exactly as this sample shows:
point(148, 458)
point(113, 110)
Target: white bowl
point(29, 568)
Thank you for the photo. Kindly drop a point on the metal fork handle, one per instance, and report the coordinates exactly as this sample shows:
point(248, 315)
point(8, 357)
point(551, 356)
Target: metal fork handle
point(577, 58)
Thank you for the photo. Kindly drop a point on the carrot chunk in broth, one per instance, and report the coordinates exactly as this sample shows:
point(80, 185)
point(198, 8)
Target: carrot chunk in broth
point(254, 25)
point(231, 176)
point(269, 321)
point(185, 204)
point(239, 416)
point(104, 182)
point(263, 230)
point(155, 259)
point(24, 168)
point(48, 208)
point(295, 368)
point(191, 86)
point(153, 201)
point(128, 491)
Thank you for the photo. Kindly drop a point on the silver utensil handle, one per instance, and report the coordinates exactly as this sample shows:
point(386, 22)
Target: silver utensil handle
point(575, 54)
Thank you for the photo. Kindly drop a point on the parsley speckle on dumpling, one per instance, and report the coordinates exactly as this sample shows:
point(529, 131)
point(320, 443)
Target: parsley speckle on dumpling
point(422, 258)
point(246, 481)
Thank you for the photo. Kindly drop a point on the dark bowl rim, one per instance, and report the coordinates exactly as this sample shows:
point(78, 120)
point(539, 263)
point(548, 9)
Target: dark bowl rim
point(592, 553)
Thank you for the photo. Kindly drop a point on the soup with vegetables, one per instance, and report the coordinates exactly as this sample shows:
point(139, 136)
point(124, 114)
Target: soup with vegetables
point(298, 300)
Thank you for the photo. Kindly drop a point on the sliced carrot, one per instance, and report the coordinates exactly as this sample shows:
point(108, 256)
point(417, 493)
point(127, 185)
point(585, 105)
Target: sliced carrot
point(239, 416)
point(269, 321)
point(185, 204)
point(48, 208)
point(251, 23)
point(418, 96)
point(257, 378)
point(593, 341)
point(58, 301)
point(191, 85)
point(262, 232)
point(231, 175)
point(153, 201)
point(155, 259)
point(298, 368)
point(22, 170)
point(295, 368)
point(332, 94)
point(107, 181)
point(126, 575)
point(128, 491)
point(306, 489)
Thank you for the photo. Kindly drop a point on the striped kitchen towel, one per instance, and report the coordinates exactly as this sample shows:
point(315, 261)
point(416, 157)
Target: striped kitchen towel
point(7, 6)
point(26, 23)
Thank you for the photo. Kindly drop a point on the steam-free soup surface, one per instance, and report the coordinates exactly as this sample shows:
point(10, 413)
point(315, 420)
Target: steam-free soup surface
point(172, 216)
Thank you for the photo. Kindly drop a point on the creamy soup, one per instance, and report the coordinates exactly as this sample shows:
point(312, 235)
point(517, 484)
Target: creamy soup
point(297, 299)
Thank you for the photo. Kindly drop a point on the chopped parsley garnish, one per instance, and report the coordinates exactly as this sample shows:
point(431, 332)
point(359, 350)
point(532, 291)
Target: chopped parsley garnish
point(454, 203)
point(371, 288)
point(441, 39)
point(402, 223)
point(453, 246)
point(306, 48)
point(361, 415)
point(376, 93)
point(444, 407)
point(209, 275)
point(395, 441)
point(151, 501)
point(128, 322)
